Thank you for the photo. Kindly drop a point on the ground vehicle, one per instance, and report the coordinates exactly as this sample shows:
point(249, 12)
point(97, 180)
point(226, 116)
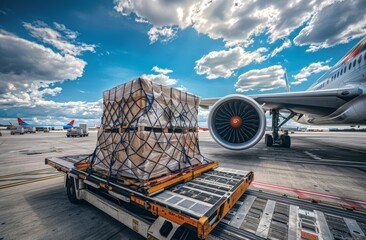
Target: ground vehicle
point(18, 130)
point(81, 131)
point(85, 129)
point(29, 130)
point(198, 201)
point(255, 215)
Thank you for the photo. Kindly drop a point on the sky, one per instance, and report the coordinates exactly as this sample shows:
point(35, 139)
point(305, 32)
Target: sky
point(57, 57)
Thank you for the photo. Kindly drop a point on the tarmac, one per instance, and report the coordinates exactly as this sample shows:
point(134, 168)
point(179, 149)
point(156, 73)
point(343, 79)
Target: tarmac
point(327, 167)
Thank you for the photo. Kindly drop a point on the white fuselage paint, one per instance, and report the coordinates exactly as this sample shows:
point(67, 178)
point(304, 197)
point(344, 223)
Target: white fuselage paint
point(348, 72)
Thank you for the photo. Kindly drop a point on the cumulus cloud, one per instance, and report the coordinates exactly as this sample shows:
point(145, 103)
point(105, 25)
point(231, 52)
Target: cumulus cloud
point(306, 72)
point(162, 76)
point(235, 22)
point(223, 63)
point(161, 70)
point(26, 67)
point(159, 13)
point(285, 44)
point(66, 43)
point(69, 33)
point(164, 34)
point(264, 79)
point(338, 23)
point(28, 71)
point(57, 110)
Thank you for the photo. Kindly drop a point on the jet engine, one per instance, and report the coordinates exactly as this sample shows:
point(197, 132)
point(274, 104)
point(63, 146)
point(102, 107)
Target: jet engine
point(237, 122)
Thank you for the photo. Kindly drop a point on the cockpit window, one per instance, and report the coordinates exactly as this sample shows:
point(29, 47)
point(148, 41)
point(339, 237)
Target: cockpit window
point(345, 69)
point(359, 60)
point(349, 67)
point(354, 63)
point(341, 71)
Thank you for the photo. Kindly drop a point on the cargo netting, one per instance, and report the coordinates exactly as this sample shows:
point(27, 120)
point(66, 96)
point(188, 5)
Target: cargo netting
point(147, 131)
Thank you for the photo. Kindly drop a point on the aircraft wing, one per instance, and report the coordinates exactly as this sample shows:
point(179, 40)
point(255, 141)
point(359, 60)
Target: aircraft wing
point(308, 102)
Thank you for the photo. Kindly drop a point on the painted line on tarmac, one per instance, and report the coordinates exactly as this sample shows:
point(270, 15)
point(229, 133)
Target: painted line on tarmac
point(312, 155)
point(26, 173)
point(345, 148)
point(30, 181)
point(327, 162)
point(307, 192)
point(337, 146)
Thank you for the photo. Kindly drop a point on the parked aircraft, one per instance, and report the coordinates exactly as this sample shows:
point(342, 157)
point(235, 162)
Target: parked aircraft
point(24, 124)
point(203, 128)
point(238, 122)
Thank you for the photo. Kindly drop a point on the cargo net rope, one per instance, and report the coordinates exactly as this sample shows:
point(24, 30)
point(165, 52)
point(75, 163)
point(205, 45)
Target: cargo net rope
point(147, 131)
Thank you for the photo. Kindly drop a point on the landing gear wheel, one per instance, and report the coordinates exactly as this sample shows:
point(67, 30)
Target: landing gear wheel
point(268, 139)
point(286, 141)
point(71, 191)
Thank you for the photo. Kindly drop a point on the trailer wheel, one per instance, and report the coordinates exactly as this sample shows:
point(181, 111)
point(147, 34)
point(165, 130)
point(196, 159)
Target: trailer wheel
point(71, 191)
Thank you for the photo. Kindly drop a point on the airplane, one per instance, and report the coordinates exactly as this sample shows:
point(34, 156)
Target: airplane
point(238, 122)
point(24, 124)
point(203, 128)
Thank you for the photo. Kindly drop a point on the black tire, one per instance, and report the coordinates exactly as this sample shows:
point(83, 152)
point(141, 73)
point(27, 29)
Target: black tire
point(268, 139)
point(71, 192)
point(286, 141)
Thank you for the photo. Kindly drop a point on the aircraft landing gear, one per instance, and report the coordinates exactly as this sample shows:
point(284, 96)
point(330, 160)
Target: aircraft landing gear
point(276, 139)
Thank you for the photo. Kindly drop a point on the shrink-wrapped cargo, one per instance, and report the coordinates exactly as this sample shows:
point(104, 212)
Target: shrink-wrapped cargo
point(147, 131)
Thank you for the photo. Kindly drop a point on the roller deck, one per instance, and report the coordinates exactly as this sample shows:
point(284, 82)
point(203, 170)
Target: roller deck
point(213, 206)
point(197, 201)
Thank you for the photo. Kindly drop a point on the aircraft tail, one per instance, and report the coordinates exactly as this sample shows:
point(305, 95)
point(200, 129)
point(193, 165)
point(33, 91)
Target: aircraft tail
point(71, 123)
point(21, 122)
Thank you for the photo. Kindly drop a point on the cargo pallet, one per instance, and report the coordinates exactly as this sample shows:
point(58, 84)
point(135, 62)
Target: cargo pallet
point(186, 206)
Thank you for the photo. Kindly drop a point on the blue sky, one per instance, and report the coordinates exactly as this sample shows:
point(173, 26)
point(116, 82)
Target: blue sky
point(57, 57)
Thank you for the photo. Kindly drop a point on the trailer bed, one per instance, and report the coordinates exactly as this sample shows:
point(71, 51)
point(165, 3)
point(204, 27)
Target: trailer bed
point(200, 202)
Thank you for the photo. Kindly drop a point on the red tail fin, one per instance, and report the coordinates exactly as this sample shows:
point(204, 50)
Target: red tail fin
point(72, 122)
point(20, 121)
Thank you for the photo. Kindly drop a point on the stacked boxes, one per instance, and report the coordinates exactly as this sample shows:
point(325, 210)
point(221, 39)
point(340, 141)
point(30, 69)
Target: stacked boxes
point(147, 131)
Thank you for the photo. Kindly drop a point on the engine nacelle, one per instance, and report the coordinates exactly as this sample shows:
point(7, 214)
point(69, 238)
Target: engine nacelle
point(237, 122)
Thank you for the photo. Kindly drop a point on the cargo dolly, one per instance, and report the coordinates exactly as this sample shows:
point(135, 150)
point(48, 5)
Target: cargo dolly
point(187, 206)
